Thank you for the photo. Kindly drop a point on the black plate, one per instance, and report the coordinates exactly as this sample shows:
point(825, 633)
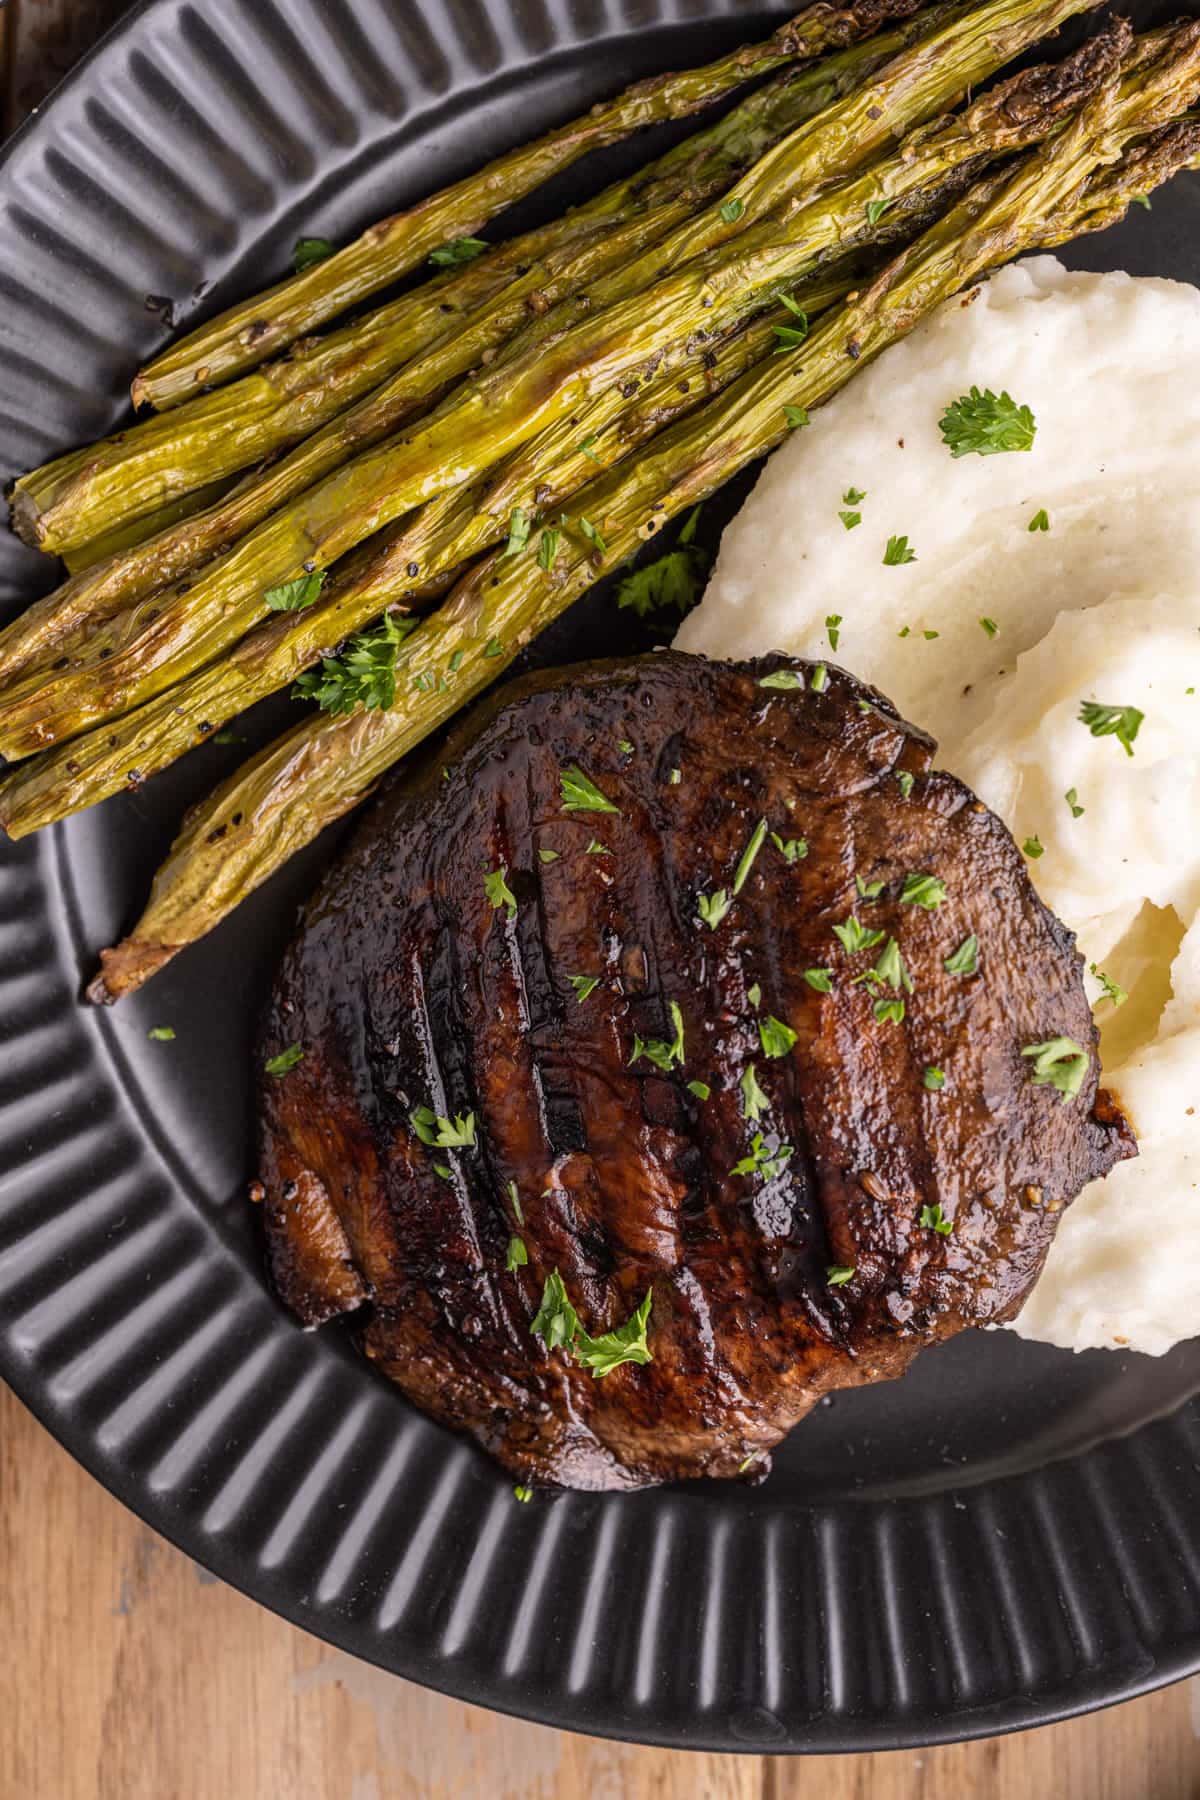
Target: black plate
point(1005, 1537)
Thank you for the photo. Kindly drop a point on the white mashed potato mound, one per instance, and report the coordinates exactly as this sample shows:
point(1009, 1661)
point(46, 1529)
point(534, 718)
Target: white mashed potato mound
point(1105, 606)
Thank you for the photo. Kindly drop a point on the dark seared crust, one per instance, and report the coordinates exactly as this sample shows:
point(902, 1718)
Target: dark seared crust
point(405, 987)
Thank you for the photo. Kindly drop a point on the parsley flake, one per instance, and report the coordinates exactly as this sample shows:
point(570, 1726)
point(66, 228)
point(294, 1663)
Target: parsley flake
point(663, 1054)
point(596, 848)
point(713, 907)
point(557, 1324)
point(517, 1255)
point(522, 1493)
point(285, 1061)
point(675, 579)
point(820, 979)
point(518, 532)
point(906, 783)
point(1059, 1063)
point(853, 937)
point(458, 251)
point(790, 337)
point(775, 1037)
point(898, 552)
point(499, 893)
point(754, 1101)
point(548, 544)
point(934, 1079)
point(162, 1034)
point(754, 996)
point(746, 861)
point(364, 674)
point(819, 680)
point(1112, 990)
point(889, 1012)
point(443, 1134)
point(579, 794)
point(1072, 799)
point(547, 856)
point(782, 678)
point(926, 891)
point(584, 985)
point(875, 210)
point(294, 596)
point(986, 424)
point(837, 1275)
point(796, 416)
point(1121, 722)
point(792, 850)
point(1033, 847)
point(850, 519)
point(854, 496)
point(934, 1219)
point(762, 1161)
point(592, 535)
point(964, 960)
point(990, 626)
point(868, 890)
point(732, 210)
point(1040, 521)
point(308, 251)
point(700, 1089)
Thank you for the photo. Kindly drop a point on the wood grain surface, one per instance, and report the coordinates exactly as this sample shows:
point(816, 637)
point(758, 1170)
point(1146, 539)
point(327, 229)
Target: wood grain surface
point(128, 1673)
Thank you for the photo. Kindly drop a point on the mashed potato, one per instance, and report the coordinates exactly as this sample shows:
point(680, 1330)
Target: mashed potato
point(1103, 605)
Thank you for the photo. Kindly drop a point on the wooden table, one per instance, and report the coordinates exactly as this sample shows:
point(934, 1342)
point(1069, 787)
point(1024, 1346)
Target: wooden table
point(127, 1673)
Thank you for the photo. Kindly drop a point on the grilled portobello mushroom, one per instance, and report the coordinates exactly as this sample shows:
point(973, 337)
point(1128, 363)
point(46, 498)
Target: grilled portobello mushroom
point(660, 983)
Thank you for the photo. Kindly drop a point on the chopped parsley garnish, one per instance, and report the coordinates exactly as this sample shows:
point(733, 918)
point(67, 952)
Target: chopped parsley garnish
point(596, 848)
point(990, 626)
point(754, 996)
point(294, 596)
point(819, 680)
point(518, 532)
point(517, 1255)
point(868, 890)
point(850, 519)
point(162, 1034)
point(1059, 1063)
point(584, 985)
point(732, 210)
point(456, 661)
point(499, 893)
point(762, 1161)
point(548, 544)
point(790, 337)
point(820, 979)
point(926, 891)
point(775, 1037)
point(592, 535)
point(674, 777)
point(930, 635)
point(1121, 722)
point(459, 250)
point(523, 1493)
point(1040, 521)
point(586, 446)
point(889, 1012)
point(364, 674)
point(547, 856)
point(308, 251)
point(625, 746)
point(796, 416)
point(889, 971)
point(837, 1275)
point(854, 937)
point(782, 678)
point(748, 855)
point(906, 783)
point(285, 1061)
point(513, 1195)
point(986, 424)
point(934, 1079)
point(1141, 200)
point(754, 1101)
point(792, 850)
point(1033, 847)
point(675, 579)
point(700, 1089)
point(663, 1054)
point(854, 496)
point(898, 552)
point(875, 210)
point(579, 794)
point(557, 1324)
point(1112, 990)
point(493, 647)
point(713, 907)
point(933, 1218)
point(1072, 799)
point(443, 1134)
point(964, 960)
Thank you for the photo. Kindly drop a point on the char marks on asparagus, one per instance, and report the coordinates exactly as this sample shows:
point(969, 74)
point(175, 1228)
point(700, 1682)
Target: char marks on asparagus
point(447, 964)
